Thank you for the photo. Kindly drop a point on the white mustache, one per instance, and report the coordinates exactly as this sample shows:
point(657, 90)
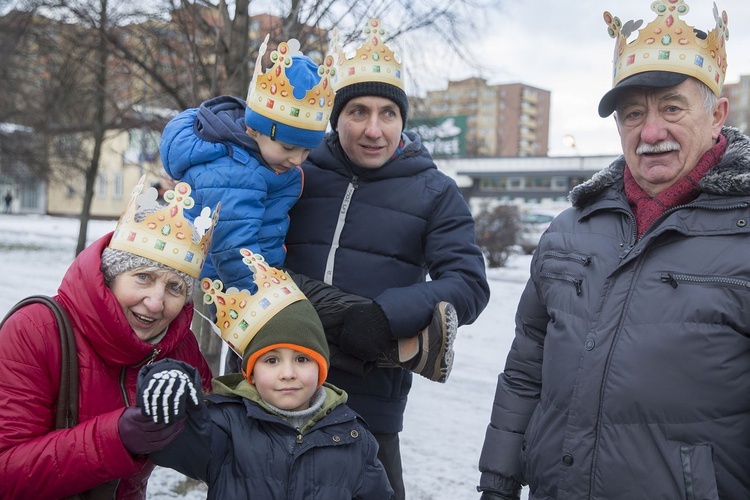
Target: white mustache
point(661, 147)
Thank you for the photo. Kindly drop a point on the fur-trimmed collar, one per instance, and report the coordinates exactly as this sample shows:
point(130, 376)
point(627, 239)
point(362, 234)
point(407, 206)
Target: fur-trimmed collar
point(731, 177)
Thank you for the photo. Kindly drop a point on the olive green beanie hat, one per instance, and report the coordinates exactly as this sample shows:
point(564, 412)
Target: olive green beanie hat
point(297, 327)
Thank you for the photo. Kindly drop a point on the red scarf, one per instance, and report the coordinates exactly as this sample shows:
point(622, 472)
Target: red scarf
point(647, 209)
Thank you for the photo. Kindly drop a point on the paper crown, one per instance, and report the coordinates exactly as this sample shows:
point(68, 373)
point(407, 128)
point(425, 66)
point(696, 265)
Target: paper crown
point(272, 95)
point(669, 44)
point(240, 314)
point(373, 61)
point(164, 234)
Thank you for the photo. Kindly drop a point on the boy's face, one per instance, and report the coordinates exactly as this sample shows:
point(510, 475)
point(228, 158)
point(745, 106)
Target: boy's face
point(286, 378)
point(281, 157)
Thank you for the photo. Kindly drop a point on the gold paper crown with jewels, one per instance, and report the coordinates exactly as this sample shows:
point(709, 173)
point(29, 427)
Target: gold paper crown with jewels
point(240, 314)
point(669, 44)
point(373, 61)
point(164, 234)
point(272, 95)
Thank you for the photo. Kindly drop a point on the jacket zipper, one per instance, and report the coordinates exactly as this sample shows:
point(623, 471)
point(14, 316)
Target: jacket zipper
point(576, 282)
point(345, 203)
point(584, 260)
point(146, 361)
point(675, 279)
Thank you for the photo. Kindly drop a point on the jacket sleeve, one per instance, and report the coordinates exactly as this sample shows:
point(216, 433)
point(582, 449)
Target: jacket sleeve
point(374, 483)
point(199, 451)
point(37, 461)
point(516, 397)
point(455, 264)
point(240, 219)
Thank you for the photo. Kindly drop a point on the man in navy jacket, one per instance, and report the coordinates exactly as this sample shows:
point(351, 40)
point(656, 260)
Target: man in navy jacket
point(375, 219)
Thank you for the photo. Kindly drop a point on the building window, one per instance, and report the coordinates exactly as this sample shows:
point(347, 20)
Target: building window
point(117, 185)
point(101, 185)
point(559, 183)
point(493, 184)
point(538, 182)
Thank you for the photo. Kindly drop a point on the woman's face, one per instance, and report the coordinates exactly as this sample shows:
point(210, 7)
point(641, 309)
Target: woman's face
point(150, 298)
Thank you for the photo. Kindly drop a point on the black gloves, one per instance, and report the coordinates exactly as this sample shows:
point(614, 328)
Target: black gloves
point(140, 435)
point(366, 332)
point(166, 389)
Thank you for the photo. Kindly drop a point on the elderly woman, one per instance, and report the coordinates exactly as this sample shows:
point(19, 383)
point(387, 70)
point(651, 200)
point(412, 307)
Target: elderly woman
point(128, 306)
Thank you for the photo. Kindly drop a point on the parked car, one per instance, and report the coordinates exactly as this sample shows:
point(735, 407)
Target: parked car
point(533, 224)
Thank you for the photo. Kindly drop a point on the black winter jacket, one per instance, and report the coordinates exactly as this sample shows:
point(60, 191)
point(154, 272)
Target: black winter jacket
point(630, 371)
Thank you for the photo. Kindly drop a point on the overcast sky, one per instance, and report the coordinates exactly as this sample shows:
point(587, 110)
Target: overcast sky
point(563, 47)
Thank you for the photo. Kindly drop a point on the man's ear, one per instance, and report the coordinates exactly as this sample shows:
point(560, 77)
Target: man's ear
point(251, 132)
point(719, 116)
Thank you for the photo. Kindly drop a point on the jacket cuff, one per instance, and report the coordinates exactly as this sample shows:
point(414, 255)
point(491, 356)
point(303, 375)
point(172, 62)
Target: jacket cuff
point(498, 484)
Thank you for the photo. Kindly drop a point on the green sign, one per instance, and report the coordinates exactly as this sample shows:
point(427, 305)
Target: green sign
point(443, 137)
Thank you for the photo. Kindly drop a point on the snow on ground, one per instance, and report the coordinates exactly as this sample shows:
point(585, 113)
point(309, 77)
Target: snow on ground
point(444, 423)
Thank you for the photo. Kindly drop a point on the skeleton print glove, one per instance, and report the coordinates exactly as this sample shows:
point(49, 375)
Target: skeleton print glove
point(167, 389)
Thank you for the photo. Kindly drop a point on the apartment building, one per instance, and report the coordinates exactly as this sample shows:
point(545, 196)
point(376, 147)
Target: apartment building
point(501, 120)
point(739, 103)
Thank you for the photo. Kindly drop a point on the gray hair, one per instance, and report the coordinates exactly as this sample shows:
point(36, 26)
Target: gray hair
point(708, 96)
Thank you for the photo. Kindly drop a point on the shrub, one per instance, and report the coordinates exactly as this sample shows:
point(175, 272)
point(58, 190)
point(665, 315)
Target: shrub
point(496, 229)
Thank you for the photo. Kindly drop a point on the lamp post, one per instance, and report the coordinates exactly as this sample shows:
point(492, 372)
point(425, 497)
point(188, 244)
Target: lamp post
point(570, 142)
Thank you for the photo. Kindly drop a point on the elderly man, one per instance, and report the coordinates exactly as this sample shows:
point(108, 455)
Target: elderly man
point(630, 371)
point(375, 218)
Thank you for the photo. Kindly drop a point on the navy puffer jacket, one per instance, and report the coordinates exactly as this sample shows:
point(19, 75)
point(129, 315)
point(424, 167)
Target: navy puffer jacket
point(243, 451)
point(379, 235)
point(630, 371)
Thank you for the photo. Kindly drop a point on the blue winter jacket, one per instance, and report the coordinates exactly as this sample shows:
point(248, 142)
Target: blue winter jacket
point(241, 450)
point(207, 147)
point(379, 235)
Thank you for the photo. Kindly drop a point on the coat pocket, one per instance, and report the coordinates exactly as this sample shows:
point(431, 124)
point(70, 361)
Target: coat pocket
point(698, 472)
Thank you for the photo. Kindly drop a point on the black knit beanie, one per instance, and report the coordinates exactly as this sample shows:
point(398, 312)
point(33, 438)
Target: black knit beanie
point(297, 326)
point(379, 89)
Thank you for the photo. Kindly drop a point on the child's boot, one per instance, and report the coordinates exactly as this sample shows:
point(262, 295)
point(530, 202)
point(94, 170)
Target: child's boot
point(430, 352)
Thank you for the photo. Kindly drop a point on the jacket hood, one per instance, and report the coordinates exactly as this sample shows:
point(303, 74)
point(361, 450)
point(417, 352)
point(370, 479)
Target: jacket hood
point(204, 134)
point(218, 120)
point(414, 158)
point(730, 177)
point(96, 315)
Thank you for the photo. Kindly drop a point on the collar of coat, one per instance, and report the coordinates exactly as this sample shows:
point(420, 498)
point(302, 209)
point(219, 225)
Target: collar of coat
point(730, 177)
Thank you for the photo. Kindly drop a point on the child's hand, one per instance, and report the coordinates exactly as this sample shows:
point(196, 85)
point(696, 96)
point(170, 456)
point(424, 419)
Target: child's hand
point(166, 389)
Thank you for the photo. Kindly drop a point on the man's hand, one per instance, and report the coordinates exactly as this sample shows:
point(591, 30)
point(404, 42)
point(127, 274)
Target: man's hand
point(365, 332)
point(166, 389)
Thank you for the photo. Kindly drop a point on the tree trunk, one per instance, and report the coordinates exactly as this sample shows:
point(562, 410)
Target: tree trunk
point(98, 126)
point(236, 62)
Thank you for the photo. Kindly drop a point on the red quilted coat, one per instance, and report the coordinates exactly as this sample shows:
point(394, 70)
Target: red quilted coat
point(39, 462)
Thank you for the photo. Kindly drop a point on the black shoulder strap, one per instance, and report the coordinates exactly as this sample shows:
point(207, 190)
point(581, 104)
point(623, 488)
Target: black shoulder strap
point(67, 397)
